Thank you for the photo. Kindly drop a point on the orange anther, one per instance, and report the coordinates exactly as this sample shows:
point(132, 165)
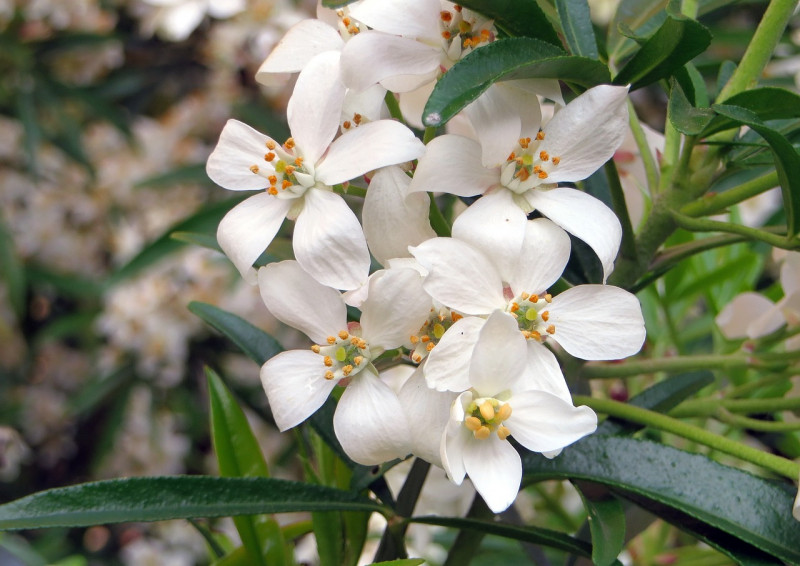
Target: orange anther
point(273, 180)
point(543, 155)
point(290, 170)
point(542, 175)
point(457, 8)
point(346, 370)
point(346, 124)
point(285, 184)
point(343, 334)
point(331, 340)
point(357, 118)
point(329, 375)
point(298, 161)
point(289, 143)
point(254, 169)
point(315, 348)
point(455, 316)
point(327, 361)
point(414, 339)
point(271, 144)
point(269, 157)
point(514, 307)
point(511, 156)
point(556, 160)
point(534, 298)
point(551, 329)
point(446, 34)
point(540, 135)
point(272, 190)
point(425, 338)
point(546, 316)
point(446, 16)
point(430, 346)
point(548, 297)
point(346, 21)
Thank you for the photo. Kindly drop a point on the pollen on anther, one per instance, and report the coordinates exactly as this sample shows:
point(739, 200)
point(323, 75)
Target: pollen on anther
point(523, 142)
point(472, 423)
point(548, 297)
point(525, 296)
point(455, 317)
point(504, 412)
point(346, 21)
point(482, 433)
point(534, 298)
point(286, 184)
point(536, 336)
point(290, 170)
point(329, 375)
point(331, 339)
point(416, 358)
point(540, 135)
point(343, 334)
point(289, 143)
point(457, 8)
point(357, 118)
point(358, 359)
point(271, 144)
point(545, 315)
point(544, 156)
point(414, 339)
point(273, 180)
point(425, 338)
point(511, 156)
point(315, 348)
point(551, 329)
point(487, 410)
point(503, 432)
point(269, 156)
point(327, 361)
point(542, 174)
point(514, 307)
point(298, 161)
point(347, 370)
point(430, 346)
point(446, 16)
point(556, 160)
point(273, 191)
point(446, 34)
point(346, 124)
point(254, 169)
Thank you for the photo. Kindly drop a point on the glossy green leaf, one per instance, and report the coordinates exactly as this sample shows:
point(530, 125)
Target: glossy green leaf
point(606, 523)
point(257, 344)
point(517, 18)
point(205, 220)
point(642, 17)
point(767, 103)
point(239, 455)
point(661, 397)
point(535, 535)
point(203, 240)
point(172, 497)
point(787, 160)
point(577, 26)
point(506, 59)
point(720, 498)
point(682, 115)
point(333, 4)
point(675, 43)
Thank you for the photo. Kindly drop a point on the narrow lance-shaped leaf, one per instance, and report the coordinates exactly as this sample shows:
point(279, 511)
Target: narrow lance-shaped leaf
point(675, 43)
point(517, 18)
point(577, 26)
point(721, 499)
point(787, 161)
point(506, 59)
point(682, 115)
point(768, 103)
point(173, 497)
point(606, 523)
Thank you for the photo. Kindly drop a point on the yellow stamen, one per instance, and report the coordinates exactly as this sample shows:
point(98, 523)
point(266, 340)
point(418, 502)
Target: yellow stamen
point(271, 144)
point(289, 143)
point(329, 375)
point(545, 315)
point(416, 358)
point(487, 411)
point(551, 329)
point(273, 191)
point(315, 349)
point(414, 339)
point(473, 423)
point(542, 175)
point(548, 297)
point(525, 296)
point(285, 184)
point(430, 346)
point(544, 156)
point(331, 340)
point(343, 334)
point(503, 432)
point(273, 180)
point(482, 433)
point(269, 157)
point(540, 135)
point(504, 412)
point(346, 370)
point(327, 361)
point(254, 169)
point(298, 161)
point(556, 160)
point(358, 359)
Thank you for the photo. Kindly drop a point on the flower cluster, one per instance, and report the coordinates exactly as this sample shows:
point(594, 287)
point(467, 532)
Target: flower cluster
point(473, 312)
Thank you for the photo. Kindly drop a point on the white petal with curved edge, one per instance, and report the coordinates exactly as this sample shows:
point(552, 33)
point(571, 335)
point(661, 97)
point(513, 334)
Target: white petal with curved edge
point(495, 225)
point(447, 366)
point(370, 423)
point(499, 356)
point(371, 57)
point(542, 422)
point(248, 228)
point(395, 308)
point(498, 124)
point(328, 241)
point(427, 413)
point(452, 164)
point(546, 88)
point(455, 440)
point(367, 147)
point(368, 103)
point(544, 255)
point(587, 132)
point(177, 22)
point(297, 299)
point(238, 149)
point(495, 470)
point(598, 322)
point(295, 385)
point(299, 45)
point(411, 101)
point(735, 319)
point(392, 218)
point(417, 19)
point(543, 373)
point(459, 276)
point(315, 107)
point(583, 216)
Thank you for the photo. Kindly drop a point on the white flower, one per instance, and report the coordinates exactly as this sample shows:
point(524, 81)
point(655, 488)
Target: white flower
point(508, 266)
point(570, 147)
point(369, 420)
point(175, 20)
point(501, 402)
point(298, 175)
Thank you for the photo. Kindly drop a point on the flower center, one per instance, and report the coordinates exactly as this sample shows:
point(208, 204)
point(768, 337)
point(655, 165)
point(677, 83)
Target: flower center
point(287, 174)
point(344, 355)
point(431, 332)
point(485, 415)
point(462, 31)
point(347, 26)
point(532, 315)
point(527, 166)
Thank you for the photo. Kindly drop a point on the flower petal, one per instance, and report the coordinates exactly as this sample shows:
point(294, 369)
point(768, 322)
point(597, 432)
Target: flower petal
point(248, 228)
point(239, 148)
point(542, 422)
point(295, 385)
point(328, 241)
point(427, 413)
point(418, 19)
point(412, 102)
point(495, 225)
point(395, 308)
point(367, 147)
point(495, 469)
point(459, 276)
point(455, 440)
point(543, 373)
point(393, 221)
point(452, 164)
point(372, 56)
point(370, 423)
point(598, 322)
point(315, 107)
point(583, 216)
point(735, 319)
point(544, 255)
point(299, 45)
point(297, 299)
point(499, 356)
point(447, 366)
point(499, 124)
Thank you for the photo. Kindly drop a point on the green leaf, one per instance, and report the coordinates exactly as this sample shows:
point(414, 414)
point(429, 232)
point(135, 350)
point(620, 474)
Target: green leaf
point(205, 220)
point(172, 497)
point(506, 59)
point(577, 26)
point(197, 239)
point(787, 160)
point(517, 18)
point(194, 174)
point(725, 499)
point(535, 535)
point(12, 274)
point(257, 344)
point(401, 562)
point(633, 17)
point(767, 103)
point(607, 524)
point(661, 397)
point(333, 4)
point(675, 43)
point(684, 117)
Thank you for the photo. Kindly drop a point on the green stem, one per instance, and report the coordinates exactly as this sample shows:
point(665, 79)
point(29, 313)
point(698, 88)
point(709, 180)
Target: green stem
point(761, 48)
point(706, 225)
point(712, 204)
point(430, 133)
point(776, 464)
point(628, 243)
point(753, 386)
point(650, 168)
point(467, 542)
point(438, 221)
point(394, 106)
point(709, 407)
point(756, 424)
point(350, 190)
point(676, 364)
